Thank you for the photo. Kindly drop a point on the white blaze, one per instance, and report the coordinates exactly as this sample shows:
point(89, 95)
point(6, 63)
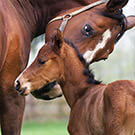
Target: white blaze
point(89, 55)
point(25, 84)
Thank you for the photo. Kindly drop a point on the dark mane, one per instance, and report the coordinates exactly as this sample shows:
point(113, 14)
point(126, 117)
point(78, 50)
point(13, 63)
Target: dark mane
point(122, 20)
point(87, 72)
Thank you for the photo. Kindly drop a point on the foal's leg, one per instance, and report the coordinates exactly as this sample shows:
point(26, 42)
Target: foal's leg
point(120, 115)
point(113, 112)
point(119, 107)
point(77, 124)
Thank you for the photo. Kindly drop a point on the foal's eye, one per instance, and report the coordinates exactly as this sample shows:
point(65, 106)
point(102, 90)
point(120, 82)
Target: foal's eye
point(87, 30)
point(41, 62)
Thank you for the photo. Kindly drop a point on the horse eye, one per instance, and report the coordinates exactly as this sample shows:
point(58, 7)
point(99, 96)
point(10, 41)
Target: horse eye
point(41, 62)
point(87, 30)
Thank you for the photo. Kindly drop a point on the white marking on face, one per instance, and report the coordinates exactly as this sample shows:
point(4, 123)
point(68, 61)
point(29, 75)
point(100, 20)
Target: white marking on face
point(23, 79)
point(21, 74)
point(24, 83)
point(89, 55)
point(27, 85)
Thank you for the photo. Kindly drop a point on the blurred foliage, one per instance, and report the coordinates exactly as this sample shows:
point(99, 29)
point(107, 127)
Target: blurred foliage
point(41, 110)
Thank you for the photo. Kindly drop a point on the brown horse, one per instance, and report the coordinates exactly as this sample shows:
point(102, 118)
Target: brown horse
point(20, 22)
point(96, 109)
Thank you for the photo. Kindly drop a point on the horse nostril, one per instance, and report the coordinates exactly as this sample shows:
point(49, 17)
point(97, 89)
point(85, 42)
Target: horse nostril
point(18, 85)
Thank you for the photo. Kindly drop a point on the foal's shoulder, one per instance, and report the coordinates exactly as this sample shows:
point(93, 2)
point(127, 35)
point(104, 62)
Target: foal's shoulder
point(119, 91)
point(121, 85)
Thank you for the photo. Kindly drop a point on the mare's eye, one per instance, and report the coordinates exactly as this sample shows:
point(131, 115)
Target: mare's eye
point(41, 62)
point(87, 30)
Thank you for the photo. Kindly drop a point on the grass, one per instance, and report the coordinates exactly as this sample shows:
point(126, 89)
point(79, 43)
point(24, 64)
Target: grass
point(47, 128)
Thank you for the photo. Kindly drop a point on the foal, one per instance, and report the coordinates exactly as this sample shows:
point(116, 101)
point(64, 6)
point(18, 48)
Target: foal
point(96, 109)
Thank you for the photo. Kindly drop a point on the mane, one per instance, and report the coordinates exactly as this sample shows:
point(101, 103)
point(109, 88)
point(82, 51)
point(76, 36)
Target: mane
point(87, 72)
point(122, 20)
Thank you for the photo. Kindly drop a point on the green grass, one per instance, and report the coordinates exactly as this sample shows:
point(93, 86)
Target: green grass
point(47, 128)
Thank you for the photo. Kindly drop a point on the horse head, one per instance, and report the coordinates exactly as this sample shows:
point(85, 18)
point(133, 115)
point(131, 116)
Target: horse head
point(94, 31)
point(43, 76)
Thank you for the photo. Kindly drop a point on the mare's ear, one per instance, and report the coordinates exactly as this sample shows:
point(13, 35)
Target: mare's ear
point(115, 5)
point(58, 40)
point(130, 22)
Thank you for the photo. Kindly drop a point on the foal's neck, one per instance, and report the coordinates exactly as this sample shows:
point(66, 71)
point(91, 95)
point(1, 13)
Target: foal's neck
point(37, 13)
point(75, 81)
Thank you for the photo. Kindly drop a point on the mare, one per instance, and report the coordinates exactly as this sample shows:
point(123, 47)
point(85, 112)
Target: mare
point(21, 21)
point(96, 108)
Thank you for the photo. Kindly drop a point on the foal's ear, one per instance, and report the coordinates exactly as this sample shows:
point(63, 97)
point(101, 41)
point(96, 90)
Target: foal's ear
point(130, 22)
point(58, 39)
point(114, 5)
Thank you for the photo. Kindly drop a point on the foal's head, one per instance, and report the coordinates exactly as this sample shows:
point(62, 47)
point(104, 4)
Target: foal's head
point(44, 75)
point(95, 31)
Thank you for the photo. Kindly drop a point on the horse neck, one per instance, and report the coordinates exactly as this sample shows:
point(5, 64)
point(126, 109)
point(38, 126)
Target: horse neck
point(37, 13)
point(75, 84)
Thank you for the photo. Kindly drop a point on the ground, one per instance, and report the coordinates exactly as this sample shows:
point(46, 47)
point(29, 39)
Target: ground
point(46, 128)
